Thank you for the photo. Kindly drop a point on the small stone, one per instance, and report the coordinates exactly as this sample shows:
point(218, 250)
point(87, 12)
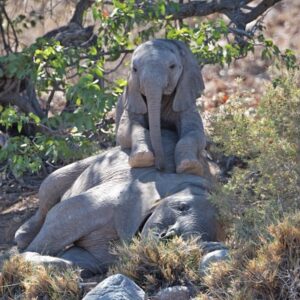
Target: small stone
point(212, 246)
point(116, 287)
point(17, 219)
point(212, 257)
point(172, 293)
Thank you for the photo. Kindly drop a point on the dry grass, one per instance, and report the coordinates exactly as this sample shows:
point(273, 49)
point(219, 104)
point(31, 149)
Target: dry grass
point(20, 279)
point(154, 264)
point(274, 273)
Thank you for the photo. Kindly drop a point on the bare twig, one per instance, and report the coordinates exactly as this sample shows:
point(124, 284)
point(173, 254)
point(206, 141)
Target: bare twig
point(49, 100)
point(117, 66)
point(47, 130)
point(2, 31)
point(10, 24)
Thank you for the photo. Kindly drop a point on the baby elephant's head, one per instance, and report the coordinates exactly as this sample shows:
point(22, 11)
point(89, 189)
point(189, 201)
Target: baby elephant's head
point(162, 67)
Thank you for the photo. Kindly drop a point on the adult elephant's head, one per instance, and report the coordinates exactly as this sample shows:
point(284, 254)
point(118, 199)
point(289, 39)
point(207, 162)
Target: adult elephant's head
point(186, 213)
point(162, 67)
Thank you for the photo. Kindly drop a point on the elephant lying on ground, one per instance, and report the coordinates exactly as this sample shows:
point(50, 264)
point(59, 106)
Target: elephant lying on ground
point(87, 205)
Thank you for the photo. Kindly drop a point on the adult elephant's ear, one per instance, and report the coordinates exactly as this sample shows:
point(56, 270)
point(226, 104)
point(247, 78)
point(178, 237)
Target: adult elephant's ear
point(134, 101)
point(190, 84)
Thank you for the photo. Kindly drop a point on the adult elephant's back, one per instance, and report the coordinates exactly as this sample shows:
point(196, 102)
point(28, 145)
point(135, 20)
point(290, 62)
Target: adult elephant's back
point(112, 165)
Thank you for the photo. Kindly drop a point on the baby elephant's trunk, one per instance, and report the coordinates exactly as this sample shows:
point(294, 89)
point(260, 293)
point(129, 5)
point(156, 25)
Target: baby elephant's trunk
point(154, 110)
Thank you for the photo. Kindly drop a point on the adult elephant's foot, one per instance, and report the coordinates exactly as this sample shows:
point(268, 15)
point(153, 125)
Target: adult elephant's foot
point(27, 232)
point(141, 158)
point(191, 166)
point(46, 260)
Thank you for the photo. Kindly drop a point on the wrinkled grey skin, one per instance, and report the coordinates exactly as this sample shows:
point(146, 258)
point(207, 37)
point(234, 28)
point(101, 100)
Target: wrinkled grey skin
point(99, 200)
point(163, 85)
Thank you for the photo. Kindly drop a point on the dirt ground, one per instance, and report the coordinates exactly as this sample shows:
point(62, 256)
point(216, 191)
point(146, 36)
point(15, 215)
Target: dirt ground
point(19, 201)
point(17, 204)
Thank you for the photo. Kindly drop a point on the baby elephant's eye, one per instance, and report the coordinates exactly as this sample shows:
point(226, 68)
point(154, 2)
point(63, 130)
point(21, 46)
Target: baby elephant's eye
point(134, 69)
point(183, 207)
point(172, 66)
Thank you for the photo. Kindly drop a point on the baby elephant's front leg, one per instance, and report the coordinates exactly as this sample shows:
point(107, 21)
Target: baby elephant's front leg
point(141, 154)
point(132, 134)
point(188, 151)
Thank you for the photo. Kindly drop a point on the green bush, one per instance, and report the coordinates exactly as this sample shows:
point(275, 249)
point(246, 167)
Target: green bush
point(267, 139)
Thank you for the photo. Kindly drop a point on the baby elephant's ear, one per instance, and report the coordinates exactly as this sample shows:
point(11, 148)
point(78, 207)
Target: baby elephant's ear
point(190, 84)
point(133, 98)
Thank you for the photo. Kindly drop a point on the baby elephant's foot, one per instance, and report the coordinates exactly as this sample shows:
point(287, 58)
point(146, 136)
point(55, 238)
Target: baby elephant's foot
point(141, 159)
point(191, 166)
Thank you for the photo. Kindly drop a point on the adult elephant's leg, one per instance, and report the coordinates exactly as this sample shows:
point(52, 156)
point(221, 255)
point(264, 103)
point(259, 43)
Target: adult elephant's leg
point(74, 218)
point(74, 257)
point(50, 193)
point(80, 257)
point(188, 151)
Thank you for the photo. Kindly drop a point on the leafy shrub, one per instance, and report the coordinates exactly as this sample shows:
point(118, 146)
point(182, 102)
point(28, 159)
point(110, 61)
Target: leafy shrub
point(267, 139)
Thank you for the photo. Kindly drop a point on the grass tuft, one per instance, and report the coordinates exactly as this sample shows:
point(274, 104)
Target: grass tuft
point(20, 279)
point(155, 264)
point(274, 272)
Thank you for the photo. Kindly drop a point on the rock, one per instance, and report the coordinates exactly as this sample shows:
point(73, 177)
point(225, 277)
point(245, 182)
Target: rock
point(212, 246)
point(212, 257)
point(172, 293)
point(116, 287)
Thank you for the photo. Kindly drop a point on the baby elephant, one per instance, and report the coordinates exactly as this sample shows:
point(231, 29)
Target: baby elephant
point(164, 81)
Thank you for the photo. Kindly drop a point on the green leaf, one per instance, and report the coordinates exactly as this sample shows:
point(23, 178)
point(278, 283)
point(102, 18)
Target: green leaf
point(35, 118)
point(19, 127)
point(93, 51)
point(162, 8)
point(78, 101)
point(121, 82)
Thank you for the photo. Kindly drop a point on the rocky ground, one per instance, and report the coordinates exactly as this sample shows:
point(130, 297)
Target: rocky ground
point(18, 200)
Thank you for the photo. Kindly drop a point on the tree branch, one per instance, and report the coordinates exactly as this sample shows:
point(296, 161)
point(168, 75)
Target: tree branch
point(203, 8)
point(20, 93)
point(258, 10)
point(231, 8)
point(80, 8)
point(117, 66)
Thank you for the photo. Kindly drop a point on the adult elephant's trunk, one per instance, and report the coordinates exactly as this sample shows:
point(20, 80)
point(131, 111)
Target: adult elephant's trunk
point(154, 98)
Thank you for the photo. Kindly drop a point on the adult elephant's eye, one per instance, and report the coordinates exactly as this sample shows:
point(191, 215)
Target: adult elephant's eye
point(134, 69)
point(172, 66)
point(183, 207)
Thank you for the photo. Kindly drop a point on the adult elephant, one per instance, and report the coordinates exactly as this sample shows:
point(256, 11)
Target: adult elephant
point(87, 205)
point(163, 84)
